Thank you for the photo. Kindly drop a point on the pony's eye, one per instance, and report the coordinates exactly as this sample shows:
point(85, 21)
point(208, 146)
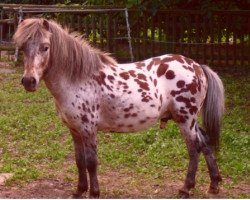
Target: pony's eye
point(45, 48)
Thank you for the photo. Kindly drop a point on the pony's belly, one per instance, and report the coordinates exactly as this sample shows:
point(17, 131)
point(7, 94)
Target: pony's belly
point(128, 126)
point(128, 118)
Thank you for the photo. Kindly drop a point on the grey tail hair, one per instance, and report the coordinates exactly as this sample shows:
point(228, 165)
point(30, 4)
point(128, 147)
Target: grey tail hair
point(213, 107)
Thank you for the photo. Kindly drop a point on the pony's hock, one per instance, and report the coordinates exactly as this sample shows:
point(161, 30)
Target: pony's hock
point(92, 93)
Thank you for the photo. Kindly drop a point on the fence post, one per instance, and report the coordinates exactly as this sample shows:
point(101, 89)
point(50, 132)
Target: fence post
point(109, 32)
point(129, 36)
point(20, 19)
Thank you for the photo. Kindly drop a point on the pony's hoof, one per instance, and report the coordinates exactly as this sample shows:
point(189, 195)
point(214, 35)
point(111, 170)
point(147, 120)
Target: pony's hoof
point(79, 192)
point(76, 196)
point(213, 190)
point(94, 195)
point(183, 194)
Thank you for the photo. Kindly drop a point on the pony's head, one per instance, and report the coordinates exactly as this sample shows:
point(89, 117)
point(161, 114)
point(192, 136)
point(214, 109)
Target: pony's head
point(33, 37)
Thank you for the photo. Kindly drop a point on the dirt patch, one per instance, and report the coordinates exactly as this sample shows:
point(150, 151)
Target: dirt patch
point(120, 184)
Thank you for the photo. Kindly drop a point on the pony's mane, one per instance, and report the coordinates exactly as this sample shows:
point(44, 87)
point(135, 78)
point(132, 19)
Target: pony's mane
point(69, 52)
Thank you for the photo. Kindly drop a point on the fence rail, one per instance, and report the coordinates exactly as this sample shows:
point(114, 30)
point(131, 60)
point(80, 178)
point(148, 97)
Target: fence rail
point(222, 40)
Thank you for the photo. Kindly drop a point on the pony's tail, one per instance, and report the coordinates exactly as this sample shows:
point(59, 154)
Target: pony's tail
point(213, 107)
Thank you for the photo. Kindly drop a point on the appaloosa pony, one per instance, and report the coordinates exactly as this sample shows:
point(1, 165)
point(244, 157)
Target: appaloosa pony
point(92, 93)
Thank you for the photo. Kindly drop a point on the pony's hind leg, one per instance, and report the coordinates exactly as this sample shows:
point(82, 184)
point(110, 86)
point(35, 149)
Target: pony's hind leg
point(186, 124)
point(193, 152)
point(81, 165)
point(211, 162)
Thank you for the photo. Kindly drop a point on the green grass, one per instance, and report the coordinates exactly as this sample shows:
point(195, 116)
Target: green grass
point(34, 143)
point(32, 139)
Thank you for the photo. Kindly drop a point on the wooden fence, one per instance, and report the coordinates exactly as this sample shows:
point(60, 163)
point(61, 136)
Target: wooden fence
point(222, 40)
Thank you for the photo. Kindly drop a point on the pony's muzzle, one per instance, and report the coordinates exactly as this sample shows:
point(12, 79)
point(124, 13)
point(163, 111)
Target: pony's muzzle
point(29, 83)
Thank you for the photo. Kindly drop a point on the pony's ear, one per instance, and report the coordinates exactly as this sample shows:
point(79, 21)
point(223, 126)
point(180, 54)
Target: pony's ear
point(46, 24)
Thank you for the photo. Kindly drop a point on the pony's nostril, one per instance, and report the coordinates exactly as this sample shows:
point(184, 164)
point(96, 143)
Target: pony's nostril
point(25, 81)
point(33, 81)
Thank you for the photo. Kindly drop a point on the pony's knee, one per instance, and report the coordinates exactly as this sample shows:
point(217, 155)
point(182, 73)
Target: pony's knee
point(91, 159)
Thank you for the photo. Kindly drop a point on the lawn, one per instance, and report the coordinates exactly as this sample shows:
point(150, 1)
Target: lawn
point(35, 145)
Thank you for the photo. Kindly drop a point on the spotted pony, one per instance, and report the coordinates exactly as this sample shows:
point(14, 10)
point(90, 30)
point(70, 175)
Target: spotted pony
point(92, 93)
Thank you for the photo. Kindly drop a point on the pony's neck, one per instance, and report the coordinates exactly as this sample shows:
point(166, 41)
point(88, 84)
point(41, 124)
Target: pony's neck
point(73, 58)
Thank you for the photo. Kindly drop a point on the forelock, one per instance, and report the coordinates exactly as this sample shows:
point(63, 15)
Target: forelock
point(30, 29)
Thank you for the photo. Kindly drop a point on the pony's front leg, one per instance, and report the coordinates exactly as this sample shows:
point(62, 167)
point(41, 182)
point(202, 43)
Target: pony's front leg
point(81, 164)
point(91, 163)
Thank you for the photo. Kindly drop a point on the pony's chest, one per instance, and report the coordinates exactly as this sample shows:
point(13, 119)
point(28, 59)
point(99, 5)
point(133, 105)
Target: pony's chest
point(79, 107)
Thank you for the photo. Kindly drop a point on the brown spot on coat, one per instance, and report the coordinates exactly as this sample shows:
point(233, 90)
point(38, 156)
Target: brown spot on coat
point(134, 115)
point(124, 75)
point(139, 65)
point(191, 87)
point(183, 112)
point(173, 57)
point(156, 60)
point(127, 115)
point(126, 109)
point(142, 77)
point(192, 99)
point(188, 68)
point(83, 107)
point(149, 67)
point(192, 109)
point(146, 99)
point(162, 69)
point(85, 119)
point(170, 74)
point(180, 84)
point(132, 73)
point(161, 99)
point(155, 82)
point(180, 118)
point(111, 78)
point(100, 78)
point(188, 61)
point(142, 85)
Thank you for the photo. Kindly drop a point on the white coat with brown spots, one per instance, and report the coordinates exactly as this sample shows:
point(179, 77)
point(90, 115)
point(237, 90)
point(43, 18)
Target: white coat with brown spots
point(94, 93)
point(132, 97)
